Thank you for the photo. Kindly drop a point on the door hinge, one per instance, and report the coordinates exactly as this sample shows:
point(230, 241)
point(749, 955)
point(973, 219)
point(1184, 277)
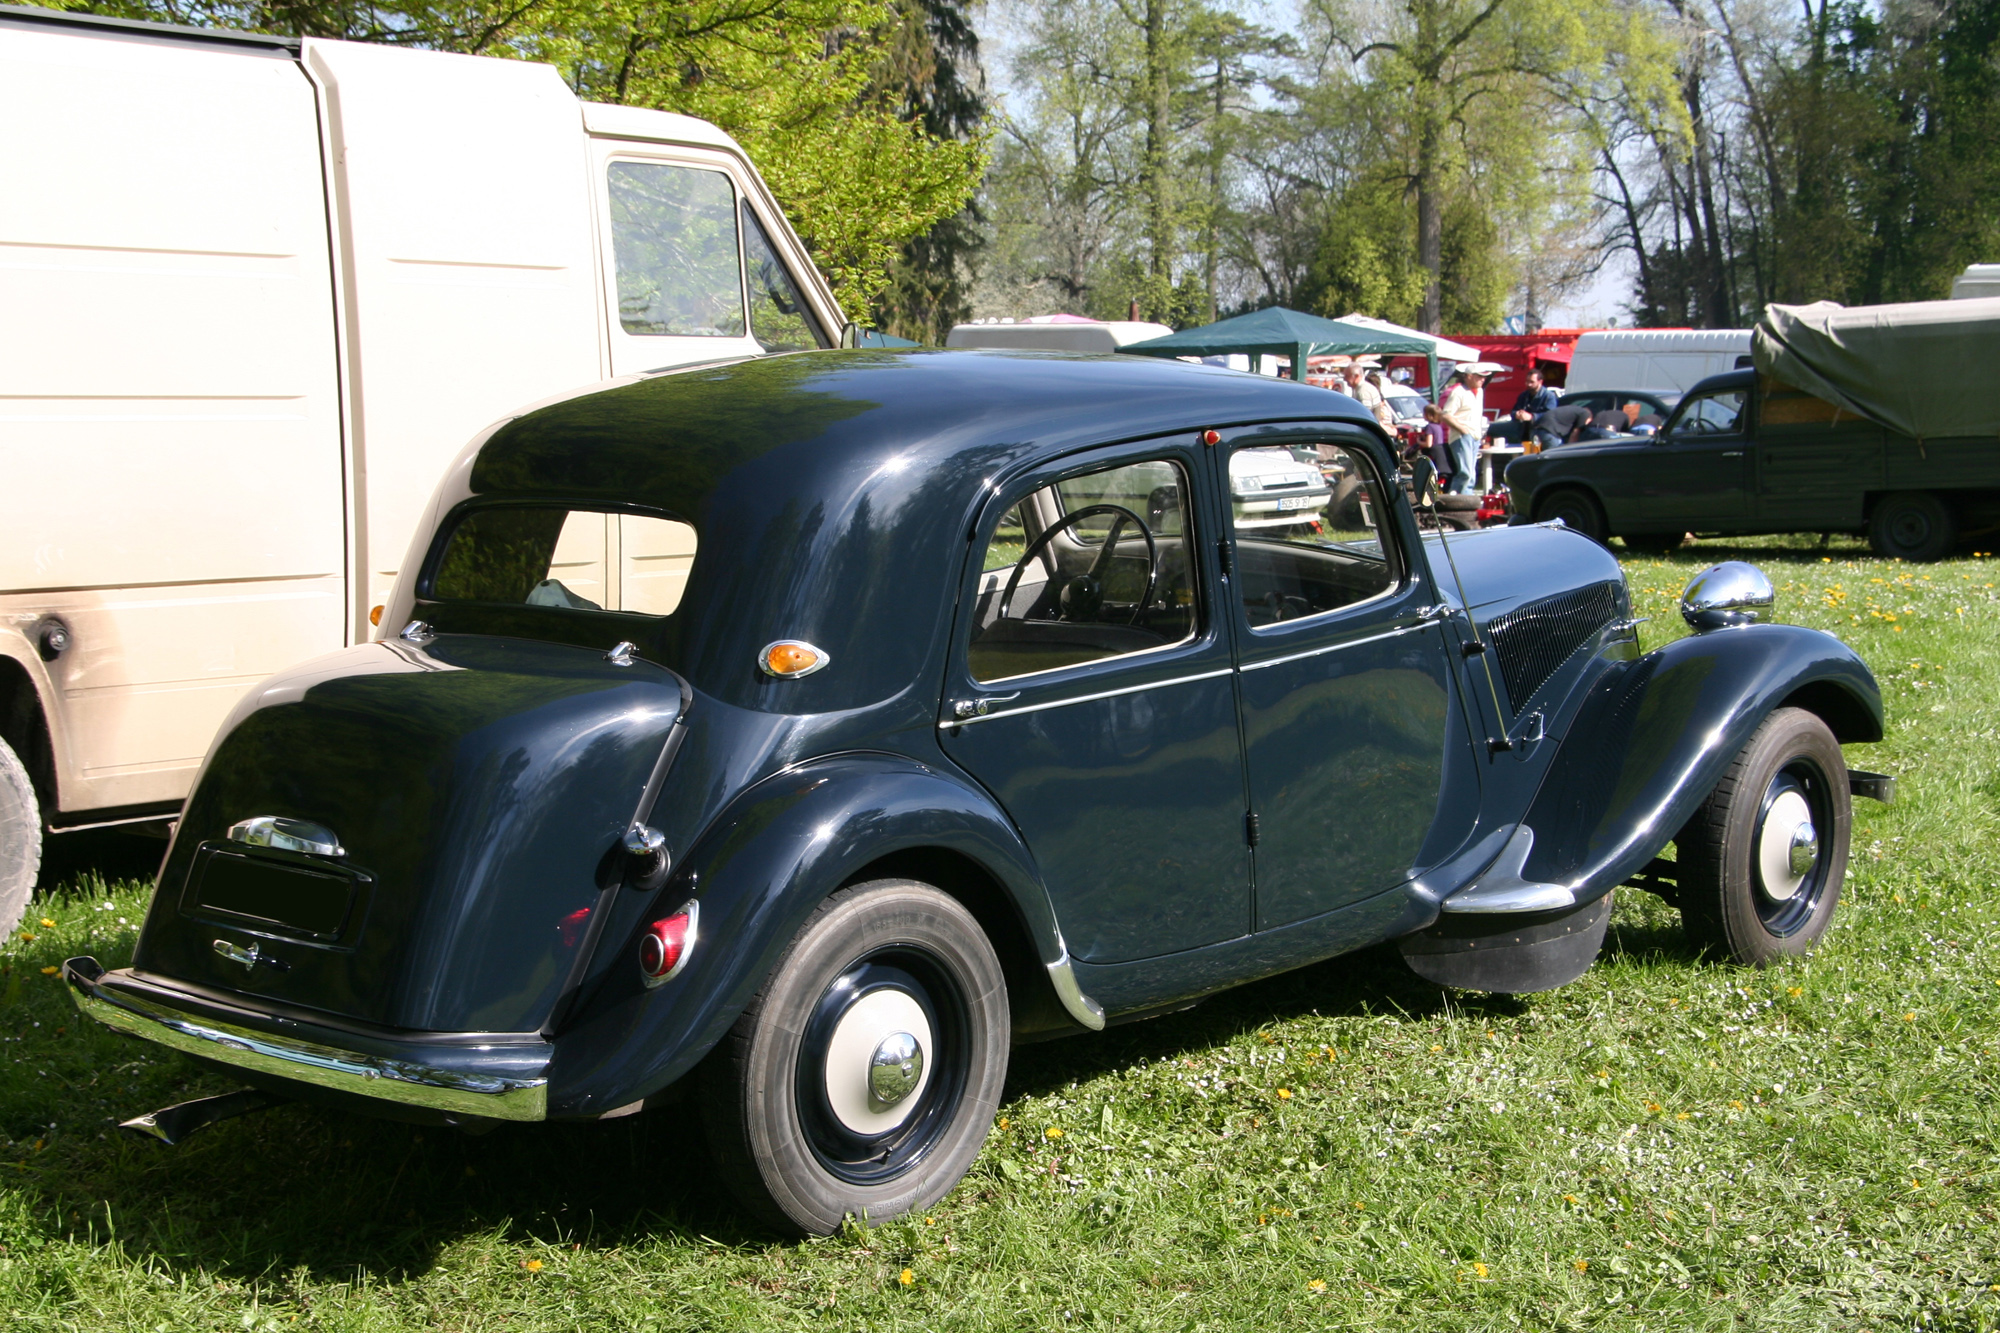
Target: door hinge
point(1250, 828)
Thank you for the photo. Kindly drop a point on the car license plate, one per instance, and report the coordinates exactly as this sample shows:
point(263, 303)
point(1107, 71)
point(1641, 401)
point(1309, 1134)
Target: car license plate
point(1294, 502)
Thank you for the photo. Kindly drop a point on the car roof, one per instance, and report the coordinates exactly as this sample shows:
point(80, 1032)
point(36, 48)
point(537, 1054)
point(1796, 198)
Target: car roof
point(1728, 379)
point(831, 491)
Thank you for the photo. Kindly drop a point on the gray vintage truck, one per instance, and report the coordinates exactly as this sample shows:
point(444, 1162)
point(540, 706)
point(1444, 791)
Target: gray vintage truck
point(1877, 420)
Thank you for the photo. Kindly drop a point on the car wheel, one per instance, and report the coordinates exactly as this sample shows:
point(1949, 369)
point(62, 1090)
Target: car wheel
point(862, 1079)
point(1912, 525)
point(1578, 510)
point(1761, 862)
point(20, 839)
point(1653, 543)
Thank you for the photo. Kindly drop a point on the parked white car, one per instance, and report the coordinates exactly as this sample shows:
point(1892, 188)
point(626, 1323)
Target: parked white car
point(255, 294)
point(1269, 488)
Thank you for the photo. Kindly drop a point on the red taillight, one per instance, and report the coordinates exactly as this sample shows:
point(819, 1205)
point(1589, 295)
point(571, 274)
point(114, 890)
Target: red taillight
point(663, 948)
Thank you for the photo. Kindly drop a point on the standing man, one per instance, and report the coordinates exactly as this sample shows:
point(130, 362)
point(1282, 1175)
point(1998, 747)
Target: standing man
point(1362, 391)
point(1463, 412)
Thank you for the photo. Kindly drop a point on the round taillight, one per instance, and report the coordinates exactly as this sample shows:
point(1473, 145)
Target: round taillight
point(664, 947)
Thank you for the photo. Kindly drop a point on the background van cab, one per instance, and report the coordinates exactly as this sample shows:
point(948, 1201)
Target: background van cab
point(255, 293)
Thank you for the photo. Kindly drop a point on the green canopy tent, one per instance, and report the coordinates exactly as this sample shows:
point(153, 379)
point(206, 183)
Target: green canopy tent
point(1287, 333)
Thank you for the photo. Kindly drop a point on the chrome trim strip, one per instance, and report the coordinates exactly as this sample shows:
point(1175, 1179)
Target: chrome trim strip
point(948, 723)
point(1080, 1006)
point(374, 1076)
point(1336, 647)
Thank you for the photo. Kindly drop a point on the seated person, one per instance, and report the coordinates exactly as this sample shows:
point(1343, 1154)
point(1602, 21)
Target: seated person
point(1560, 425)
point(1434, 443)
point(1530, 403)
point(1638, 421)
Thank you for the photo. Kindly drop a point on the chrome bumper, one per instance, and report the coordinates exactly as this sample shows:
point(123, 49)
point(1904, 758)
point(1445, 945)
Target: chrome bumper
point(382, 1078)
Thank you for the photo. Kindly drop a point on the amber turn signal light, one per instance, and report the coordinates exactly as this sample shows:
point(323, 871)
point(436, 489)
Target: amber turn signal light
point(790, 658)
point(375, 616)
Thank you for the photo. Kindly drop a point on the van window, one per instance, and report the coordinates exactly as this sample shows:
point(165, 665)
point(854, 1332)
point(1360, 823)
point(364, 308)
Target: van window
point(674, 242)
point(576, 559)
point(779, 318)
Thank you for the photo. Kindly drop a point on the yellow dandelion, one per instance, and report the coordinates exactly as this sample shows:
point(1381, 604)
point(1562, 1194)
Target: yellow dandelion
point(1479, 1270)
point(1604, 1073)
point(48, 923)
point(1004, 1122)
point(27, 934)
point(1736, 1106)
point(1359, 1207)
point(1436, 1049)
point(1317, 1284)
point(930, 1221)
point(50, 971)
point(1653, 1108)
point(1284, 1094)
point(1680, 1115)
point(1916, 1184)
point(1581, 1265)
point(532, 1265)
point(907, 1277)
point(1571, 1198)
point(1795, 991)
point(1909, 1018)
point(1052, 1132)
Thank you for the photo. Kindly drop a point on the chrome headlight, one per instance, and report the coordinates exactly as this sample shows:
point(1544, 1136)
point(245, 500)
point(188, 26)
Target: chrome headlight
point(1731, 593)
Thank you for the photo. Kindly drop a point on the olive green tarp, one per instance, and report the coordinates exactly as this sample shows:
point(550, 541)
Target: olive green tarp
point(1288, 333)
point(1924, 369)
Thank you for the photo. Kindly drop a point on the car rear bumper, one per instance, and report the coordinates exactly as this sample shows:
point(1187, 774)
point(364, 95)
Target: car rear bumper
point(498, 1076)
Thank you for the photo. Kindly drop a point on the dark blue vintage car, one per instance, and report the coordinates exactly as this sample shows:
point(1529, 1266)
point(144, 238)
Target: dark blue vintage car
point(814, 728)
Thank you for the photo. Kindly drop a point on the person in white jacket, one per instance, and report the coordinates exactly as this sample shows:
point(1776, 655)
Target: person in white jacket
point(1463, 410)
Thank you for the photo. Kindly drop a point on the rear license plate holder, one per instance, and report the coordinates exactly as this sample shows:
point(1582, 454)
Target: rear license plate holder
point(276, 894)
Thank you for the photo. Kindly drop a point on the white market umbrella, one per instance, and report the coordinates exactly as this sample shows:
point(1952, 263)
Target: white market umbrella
point(1447, 350)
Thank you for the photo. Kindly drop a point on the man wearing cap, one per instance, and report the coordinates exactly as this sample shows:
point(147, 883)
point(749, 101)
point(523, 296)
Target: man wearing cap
point(1463, 413)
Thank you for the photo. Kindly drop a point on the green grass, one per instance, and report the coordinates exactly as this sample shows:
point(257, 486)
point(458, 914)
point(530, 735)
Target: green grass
point(1668, 1143)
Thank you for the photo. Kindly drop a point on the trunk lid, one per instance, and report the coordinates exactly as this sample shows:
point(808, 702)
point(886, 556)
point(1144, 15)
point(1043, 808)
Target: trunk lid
point(478, 788)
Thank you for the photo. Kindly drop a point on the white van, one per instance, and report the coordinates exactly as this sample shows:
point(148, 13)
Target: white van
point(1055, 333)
point(1976, 283)
point(1663, 361)
point(255, 294)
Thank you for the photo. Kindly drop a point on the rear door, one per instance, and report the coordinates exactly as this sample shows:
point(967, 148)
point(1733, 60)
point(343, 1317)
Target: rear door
point(1090, 690)
point(1696, 475)
point(1346, 697)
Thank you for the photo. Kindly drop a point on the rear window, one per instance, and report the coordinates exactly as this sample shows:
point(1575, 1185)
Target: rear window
point(575, 559)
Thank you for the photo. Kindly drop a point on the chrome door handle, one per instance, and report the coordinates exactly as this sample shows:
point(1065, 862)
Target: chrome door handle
point(1732, 453)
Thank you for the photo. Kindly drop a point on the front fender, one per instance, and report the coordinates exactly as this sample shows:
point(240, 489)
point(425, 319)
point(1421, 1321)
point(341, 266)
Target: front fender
point(759, 869)
point(1653, 738)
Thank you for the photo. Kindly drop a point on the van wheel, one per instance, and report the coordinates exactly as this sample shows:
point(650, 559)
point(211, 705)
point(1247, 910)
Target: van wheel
point(1578, 510)
point(1762, 861)
point(1912, 525)
point(20, 839)
point(862, 1079)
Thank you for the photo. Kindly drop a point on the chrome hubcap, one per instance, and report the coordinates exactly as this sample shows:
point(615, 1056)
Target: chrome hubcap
point(1787, 847)
point(874, 1065)
point(894, 1070)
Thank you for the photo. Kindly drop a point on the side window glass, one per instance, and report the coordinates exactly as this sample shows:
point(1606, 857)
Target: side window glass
point(779, 318)
point(1327, 549)
point(1094, 567)
point(674, 244)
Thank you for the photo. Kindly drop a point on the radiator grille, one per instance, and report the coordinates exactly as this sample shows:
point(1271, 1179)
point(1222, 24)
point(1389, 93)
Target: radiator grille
point(1531, 641)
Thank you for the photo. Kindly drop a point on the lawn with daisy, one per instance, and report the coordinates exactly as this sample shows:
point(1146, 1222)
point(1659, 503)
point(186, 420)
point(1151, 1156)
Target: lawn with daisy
point(1668, 1143)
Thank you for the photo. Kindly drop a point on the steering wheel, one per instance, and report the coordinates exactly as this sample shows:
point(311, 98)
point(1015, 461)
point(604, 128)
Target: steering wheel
point(1083, 594)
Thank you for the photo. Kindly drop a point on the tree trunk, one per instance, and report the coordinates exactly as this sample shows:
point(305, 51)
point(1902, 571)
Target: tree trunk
point(1430, 221)
point(1158, 112)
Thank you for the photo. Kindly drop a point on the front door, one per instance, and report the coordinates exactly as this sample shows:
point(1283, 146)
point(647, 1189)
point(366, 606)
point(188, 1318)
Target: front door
point(1346, 690)
point(1091, 692)
point(1696, 476)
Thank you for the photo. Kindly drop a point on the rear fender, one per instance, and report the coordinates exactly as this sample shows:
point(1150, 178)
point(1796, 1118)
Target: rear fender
point(759, 870)
point(1654, 736)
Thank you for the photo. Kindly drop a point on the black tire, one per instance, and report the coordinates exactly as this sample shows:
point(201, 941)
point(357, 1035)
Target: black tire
point(893, 955)
point(1578, 510)
point(20, 839)
point(1653, 543)
point(1734, 897)
point(1912, 525)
